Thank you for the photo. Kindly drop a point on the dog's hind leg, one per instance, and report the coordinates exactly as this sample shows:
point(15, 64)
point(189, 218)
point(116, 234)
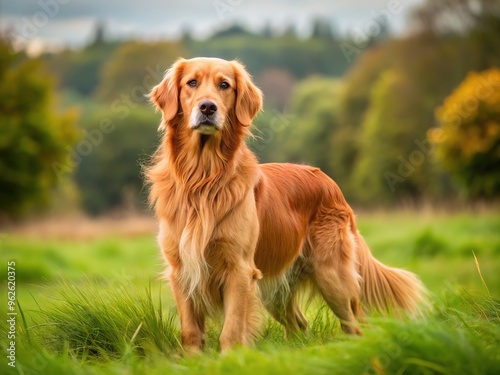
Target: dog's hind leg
point(287, 312)
point(280, 300)
point(341, 303)
point(295, 321)
point(334, 271)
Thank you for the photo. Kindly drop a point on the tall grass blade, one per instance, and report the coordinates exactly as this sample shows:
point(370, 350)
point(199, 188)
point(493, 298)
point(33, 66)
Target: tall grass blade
point(481, 275)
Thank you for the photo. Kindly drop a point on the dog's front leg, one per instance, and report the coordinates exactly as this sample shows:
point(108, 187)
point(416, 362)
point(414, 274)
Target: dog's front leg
point(238, 291)
point(192, 320)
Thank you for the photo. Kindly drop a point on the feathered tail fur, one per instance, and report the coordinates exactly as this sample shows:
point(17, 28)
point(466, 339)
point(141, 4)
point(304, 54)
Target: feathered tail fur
point(388, 289)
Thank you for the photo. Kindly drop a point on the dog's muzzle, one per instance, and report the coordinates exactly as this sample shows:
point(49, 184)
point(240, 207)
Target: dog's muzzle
point(205, 118)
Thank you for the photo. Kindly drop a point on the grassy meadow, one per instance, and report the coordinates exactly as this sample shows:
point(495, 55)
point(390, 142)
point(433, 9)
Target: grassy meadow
point(95, 304)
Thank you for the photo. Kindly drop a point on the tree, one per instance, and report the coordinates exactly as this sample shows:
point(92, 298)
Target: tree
point(468, 139)
point(109, 178)
point(384, 170)
point(99, 37)
point(307, 132)
point(445, 16)
point(134, 68)
point(358, 83)
point(79, 70)
point(289, 31)
point(321, 28)
point(34, 138)
point(231, 31)
point(308, 138)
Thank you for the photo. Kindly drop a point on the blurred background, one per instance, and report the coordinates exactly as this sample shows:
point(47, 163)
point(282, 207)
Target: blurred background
point(398, 101)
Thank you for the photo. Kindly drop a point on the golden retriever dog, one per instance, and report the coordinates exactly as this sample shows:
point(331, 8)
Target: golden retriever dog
point(235, 233)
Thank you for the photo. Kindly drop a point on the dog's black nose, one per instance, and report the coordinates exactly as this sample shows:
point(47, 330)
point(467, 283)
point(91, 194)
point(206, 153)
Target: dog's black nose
point(208, 107)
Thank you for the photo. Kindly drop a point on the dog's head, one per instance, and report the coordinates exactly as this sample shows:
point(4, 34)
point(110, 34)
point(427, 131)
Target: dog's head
point(205, 92)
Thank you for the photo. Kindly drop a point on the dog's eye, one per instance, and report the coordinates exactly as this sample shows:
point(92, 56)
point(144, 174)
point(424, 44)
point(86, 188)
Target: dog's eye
point(224, 85)
point(192, 83)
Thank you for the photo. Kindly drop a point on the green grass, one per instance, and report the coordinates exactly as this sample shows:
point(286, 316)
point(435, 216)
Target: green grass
point(98, 307)
point(109, 257)
point(89, 330)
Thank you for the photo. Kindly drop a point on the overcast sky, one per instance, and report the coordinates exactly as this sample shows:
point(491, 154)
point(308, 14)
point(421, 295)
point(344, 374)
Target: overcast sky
point(71, 22)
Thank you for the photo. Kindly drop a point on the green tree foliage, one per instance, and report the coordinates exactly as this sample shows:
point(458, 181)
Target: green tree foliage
point(312, 136)
point(468, 140)
point(302, 58)
point(390, 96)
point(392, 147)
point(306, 139)
point(308, 131)
point(109, 177)
point(355, 95)
point(33, 136)
point(135, 67)
point(322, 28)
point(79, 70)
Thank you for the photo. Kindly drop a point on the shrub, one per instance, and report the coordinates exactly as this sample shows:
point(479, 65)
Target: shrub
point(427, 244)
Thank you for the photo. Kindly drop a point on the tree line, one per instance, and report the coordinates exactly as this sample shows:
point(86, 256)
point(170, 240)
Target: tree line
point(413, 118)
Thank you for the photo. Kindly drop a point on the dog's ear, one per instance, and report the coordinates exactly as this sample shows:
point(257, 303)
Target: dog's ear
point(165, 95)
point(248, 96)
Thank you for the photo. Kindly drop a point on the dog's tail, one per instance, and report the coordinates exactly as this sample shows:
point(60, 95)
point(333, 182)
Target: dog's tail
point(388, 289)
